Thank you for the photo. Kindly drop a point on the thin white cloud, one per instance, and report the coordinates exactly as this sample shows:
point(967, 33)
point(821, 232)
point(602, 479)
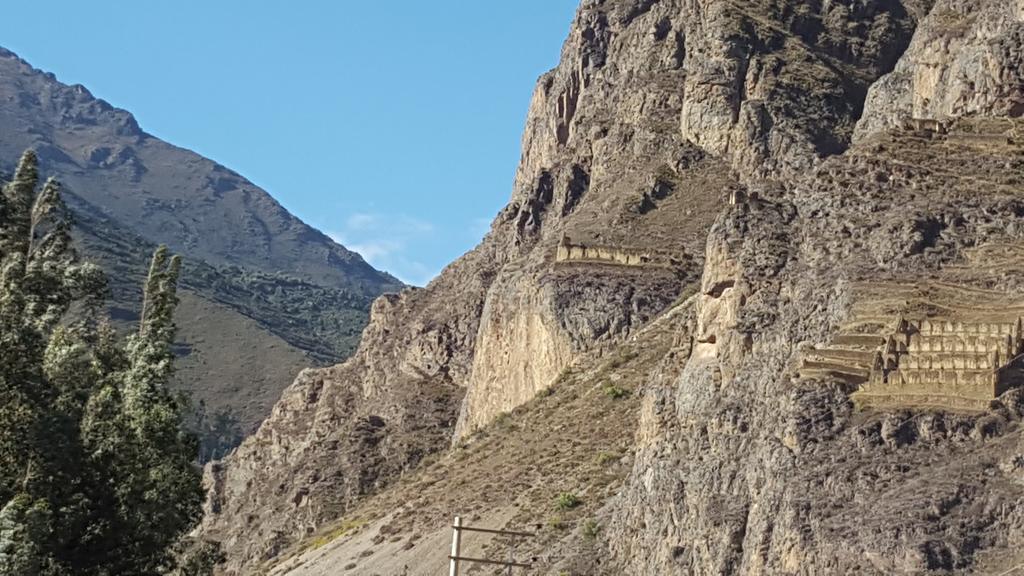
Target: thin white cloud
point(375, 250)
point(384, 240)
point(360, 221)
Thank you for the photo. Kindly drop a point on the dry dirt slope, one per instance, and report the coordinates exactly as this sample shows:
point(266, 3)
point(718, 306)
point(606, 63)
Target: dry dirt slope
point(575, 438)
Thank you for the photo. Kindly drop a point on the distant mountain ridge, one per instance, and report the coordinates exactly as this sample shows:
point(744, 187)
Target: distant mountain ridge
point(265, 295)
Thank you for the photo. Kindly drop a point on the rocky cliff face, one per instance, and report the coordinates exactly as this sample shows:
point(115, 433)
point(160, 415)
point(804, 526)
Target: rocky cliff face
point(750, 470)
point(601, 165)
point(342, 432)
point(265, 294)
point(660, 112)
point(964, 61)
point(771, 86)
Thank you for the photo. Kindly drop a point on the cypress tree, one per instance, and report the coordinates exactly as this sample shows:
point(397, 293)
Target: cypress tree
point(97, 477)
point(163, 477)
point(23, 389)
point(19, 196)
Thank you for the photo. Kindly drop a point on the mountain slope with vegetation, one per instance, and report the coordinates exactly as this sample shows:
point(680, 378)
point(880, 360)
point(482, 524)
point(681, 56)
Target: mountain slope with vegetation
point(266, 295)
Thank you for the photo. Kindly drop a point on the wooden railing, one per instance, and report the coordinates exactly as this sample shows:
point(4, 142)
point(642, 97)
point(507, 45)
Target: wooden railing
point(456, 558)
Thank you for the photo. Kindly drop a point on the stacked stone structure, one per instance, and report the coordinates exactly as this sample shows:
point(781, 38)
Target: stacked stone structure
point(568, 251)
point(893, 354)
point(946, 363)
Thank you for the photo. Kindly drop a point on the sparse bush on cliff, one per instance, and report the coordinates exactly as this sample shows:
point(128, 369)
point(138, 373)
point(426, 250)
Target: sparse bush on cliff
point(615, 392)
point(556, 522)
point(219, 432)
point(606, 458)
point(567, 501)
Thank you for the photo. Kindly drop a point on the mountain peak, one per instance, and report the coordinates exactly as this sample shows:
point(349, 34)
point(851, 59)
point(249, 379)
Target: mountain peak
point(164, 192)
point(257, 277)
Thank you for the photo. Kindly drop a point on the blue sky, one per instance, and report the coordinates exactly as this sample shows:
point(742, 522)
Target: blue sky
point(392, 126)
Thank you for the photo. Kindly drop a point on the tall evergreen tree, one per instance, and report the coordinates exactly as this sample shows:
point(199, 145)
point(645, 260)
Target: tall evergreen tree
point(97, 476)
point(133, 426)
point(24, 438)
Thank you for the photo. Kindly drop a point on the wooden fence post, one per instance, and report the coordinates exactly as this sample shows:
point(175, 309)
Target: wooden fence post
point(453, 568)
point(456, 558)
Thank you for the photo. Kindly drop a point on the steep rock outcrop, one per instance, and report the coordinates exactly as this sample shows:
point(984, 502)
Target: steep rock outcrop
point(339, 433)
point(529, 334)
point(772, 86)
point(967, 59)
point(592, 155)
point(519, 350)
point(751, 470)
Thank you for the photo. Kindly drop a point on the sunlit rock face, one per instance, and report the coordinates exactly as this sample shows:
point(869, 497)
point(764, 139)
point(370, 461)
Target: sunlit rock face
point(965, 60)
point(760, 465)
point(699, 153)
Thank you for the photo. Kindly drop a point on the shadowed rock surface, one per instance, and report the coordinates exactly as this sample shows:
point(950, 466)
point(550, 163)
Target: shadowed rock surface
point(690, 183)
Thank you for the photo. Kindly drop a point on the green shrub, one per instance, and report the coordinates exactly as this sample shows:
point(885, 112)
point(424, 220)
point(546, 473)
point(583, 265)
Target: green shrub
point(591, 529)
point(567, 501)
point(564, 375)
point(615, 392)
point(621, 359)
point(346, 528)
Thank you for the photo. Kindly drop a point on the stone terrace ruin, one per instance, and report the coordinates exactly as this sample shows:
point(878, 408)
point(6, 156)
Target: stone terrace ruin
point(946, 363)
point(568, 251)
point(933, 346)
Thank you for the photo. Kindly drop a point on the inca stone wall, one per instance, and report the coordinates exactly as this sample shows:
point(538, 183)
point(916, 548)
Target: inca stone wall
point(569, 251)
point(922, 346)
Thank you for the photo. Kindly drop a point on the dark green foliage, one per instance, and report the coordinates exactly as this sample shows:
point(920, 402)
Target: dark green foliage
point(24, 524)
point(326, 322)
point(198, 558)
point(96, 475)
point(567, 501)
